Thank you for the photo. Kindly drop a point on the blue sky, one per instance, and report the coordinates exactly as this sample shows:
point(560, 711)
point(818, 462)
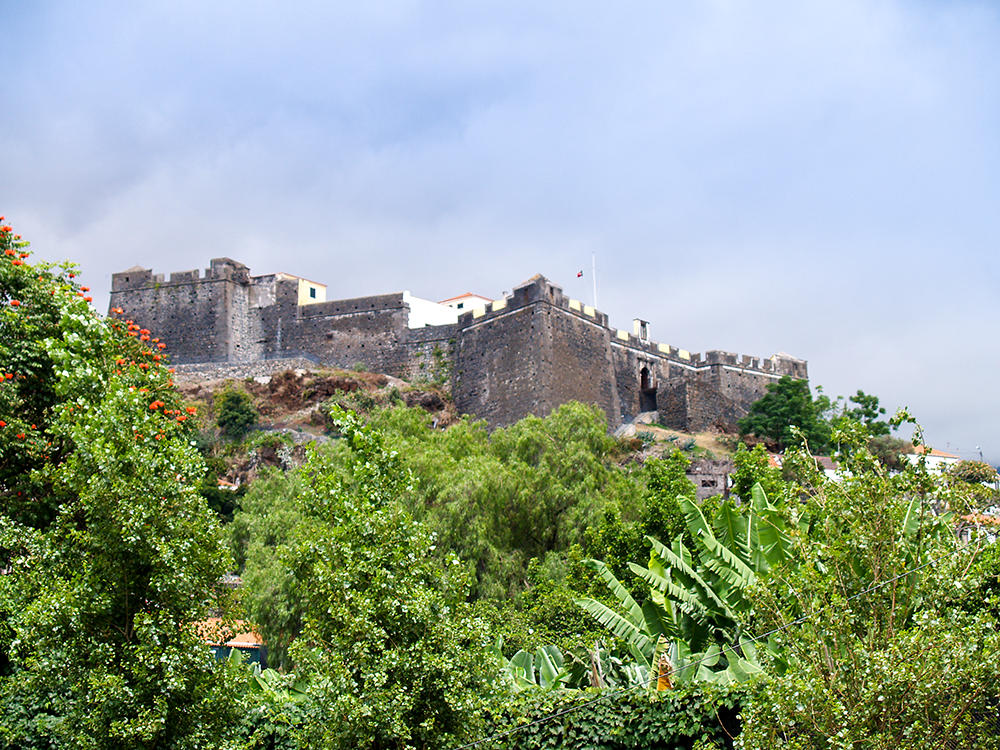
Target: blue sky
point(819, 179)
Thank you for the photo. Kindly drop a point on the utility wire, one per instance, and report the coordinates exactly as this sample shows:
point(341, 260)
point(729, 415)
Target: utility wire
point(754, 639)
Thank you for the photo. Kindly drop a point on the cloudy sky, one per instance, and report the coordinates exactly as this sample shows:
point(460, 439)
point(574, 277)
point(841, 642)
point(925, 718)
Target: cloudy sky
point(814, 178)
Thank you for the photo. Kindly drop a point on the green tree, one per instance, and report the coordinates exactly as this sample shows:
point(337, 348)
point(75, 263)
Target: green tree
point(235, 414)
point(618, 535)
point(109, 554)
point(867, 412)
point(260, 534)
point(786, 407)
point(973, 472)
point(880, 648)
point(499, 500)
point(754, 467)
point(890, 451)
point(397, 657)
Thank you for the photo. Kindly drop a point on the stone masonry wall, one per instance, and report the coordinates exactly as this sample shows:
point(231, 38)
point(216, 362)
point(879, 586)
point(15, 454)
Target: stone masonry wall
point(192, 318)
point(498, 372)
point(526, 354)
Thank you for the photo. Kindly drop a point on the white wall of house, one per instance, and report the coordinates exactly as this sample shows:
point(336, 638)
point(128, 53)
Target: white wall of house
point(423, 312)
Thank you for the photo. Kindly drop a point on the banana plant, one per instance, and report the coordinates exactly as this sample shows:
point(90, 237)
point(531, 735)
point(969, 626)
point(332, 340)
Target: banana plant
point(544, 670)
point(696, 600)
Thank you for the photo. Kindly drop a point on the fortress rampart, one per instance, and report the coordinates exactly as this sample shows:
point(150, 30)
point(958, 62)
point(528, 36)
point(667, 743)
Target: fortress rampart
point(525, 354)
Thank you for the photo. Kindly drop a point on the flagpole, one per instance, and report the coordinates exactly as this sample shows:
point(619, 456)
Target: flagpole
point(593, 258)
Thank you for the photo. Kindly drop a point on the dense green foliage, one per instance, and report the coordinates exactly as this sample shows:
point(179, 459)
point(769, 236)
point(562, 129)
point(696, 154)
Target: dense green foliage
point(109, 555)
point(974, 472)
point(754, 467)
point(699, 717)
point(788, 407)
point(234, 413)
point(421, 588)
point(395, 656)
point(866, 411)
point(500, 500)
point(879, 645)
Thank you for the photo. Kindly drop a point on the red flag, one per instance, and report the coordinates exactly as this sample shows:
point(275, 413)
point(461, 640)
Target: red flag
point(579, 274)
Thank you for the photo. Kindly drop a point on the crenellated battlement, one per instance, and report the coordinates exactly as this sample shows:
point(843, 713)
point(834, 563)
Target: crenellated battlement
point(524, 354)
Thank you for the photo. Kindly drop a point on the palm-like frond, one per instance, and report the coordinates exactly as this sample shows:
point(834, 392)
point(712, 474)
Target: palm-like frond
point(620, 592)
point(706, 592)
point(630, 632)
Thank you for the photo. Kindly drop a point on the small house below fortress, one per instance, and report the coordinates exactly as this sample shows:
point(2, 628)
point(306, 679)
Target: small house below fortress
point(504, 359)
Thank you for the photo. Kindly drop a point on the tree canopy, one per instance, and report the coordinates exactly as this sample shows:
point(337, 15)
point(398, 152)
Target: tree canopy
point(788, 407)
point(108, 554)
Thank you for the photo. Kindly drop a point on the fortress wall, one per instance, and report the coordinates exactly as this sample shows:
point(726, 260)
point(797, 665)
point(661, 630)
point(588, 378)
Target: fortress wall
point(693, 405)
point(576, 363)
point(243, 328)
point(630, 357)
point(371, 331)
point(190, 317)
point(341, 333)
point(526, 354)
point(429, 353)
point(717, 394)
point(498, 372)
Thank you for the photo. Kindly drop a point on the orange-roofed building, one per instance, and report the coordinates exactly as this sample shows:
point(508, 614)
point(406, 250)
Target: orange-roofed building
point(937, 461)
point(246, 640)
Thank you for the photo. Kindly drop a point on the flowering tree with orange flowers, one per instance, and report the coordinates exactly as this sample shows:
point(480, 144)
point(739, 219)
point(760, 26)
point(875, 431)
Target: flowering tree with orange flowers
point(108, 554)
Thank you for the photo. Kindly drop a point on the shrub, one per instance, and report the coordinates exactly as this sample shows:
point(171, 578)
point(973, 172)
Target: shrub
point(235, 414)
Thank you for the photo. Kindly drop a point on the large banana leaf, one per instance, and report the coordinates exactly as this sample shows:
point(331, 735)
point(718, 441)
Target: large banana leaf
point(638, 640)
point(550, 672)
point(683, 568)
point(705, 538)
point(689, 601)
point(550, 666)
point(621, 593)
point(911, 521)
point(721, 560)
point(770, 540)
point(732, 531)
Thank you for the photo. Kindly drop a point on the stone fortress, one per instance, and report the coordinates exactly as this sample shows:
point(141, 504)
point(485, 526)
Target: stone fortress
point(504, 359)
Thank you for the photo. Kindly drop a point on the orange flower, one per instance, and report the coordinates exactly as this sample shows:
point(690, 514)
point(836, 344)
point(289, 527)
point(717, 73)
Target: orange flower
point(191, 410)
point(181, 418)
point(14, 303)
point(8, 251)
point(2, 423)
point(161, 345)
point(84, 288)
point(88, 299)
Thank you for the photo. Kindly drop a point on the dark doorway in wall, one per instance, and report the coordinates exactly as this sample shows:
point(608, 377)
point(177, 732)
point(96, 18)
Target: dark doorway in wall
point(647, 391)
